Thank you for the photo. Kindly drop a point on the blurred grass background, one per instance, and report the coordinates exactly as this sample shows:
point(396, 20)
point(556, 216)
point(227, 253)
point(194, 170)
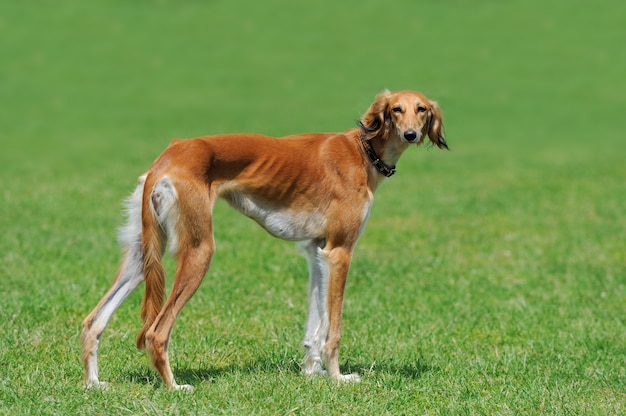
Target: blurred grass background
point(490, 279)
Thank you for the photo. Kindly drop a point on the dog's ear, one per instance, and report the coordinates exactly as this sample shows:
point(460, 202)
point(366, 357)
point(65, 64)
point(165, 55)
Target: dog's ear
point(376, 119)
point(435, 126)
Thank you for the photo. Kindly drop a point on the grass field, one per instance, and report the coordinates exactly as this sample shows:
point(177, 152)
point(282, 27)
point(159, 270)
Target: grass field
point(490, 279)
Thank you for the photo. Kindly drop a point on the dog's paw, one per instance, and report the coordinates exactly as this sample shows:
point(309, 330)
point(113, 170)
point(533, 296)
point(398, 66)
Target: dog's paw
point(97, 384)
point(314, 370)
point(350, 378)
point(182, 387)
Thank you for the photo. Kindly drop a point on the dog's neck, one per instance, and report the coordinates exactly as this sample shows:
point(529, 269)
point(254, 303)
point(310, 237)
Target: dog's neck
point(383, 154)
point(380, 165)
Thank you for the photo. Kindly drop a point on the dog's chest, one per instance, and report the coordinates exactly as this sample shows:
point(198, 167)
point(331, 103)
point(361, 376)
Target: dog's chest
point(288, 224)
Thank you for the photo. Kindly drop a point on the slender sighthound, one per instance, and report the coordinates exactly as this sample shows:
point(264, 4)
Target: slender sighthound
point(313, 188)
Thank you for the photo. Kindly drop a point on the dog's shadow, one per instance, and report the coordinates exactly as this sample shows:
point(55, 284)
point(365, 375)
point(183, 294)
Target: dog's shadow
point(412, 370)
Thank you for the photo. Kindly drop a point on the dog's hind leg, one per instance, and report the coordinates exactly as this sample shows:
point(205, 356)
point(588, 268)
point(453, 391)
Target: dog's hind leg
point(129, 276)
point(317, 320)
point(195, 249)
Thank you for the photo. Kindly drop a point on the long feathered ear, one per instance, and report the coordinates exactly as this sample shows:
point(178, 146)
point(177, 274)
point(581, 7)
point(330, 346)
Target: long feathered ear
point(375, 121)
point(435, 126)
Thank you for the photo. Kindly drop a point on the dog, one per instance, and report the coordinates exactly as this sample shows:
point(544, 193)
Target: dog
point(316, 189)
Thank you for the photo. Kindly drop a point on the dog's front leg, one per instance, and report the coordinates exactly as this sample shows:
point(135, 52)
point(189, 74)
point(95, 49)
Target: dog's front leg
point(317, 319)
point(339, 261)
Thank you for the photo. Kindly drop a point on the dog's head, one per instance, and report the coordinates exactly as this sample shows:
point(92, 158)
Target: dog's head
point(408, 115)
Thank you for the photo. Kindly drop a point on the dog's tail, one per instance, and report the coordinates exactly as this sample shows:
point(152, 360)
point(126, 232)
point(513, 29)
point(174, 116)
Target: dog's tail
point(158, 207)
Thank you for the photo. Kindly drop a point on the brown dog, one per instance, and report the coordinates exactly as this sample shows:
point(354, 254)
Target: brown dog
point(314, 188)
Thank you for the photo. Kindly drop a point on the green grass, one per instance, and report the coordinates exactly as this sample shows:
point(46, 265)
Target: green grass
point(490, 279)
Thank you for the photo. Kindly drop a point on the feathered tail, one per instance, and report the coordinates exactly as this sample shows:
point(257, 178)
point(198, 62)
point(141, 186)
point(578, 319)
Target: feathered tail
point(153, 241)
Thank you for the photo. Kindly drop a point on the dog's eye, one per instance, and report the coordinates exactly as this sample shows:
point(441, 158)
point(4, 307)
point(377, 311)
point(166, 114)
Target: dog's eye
point(421, 109)
point(397, 109)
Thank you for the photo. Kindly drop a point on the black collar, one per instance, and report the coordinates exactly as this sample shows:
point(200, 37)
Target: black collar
point(380, 166)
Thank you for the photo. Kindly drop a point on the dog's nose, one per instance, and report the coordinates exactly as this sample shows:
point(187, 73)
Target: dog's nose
point(410, 135)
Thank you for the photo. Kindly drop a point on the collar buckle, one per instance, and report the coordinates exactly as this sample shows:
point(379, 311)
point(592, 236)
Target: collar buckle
point(382, 167)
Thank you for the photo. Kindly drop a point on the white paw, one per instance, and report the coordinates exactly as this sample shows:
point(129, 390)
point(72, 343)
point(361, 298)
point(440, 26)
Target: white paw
point(184, 387)
point(314, 371)
point(350, 378)
point(96, 384)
